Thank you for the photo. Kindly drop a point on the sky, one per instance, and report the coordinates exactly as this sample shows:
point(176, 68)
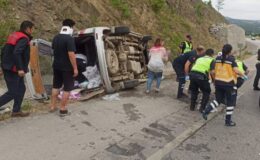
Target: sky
point(240, 9)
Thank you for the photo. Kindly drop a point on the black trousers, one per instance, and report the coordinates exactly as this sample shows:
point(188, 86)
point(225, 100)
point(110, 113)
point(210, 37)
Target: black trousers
point(181, 78)
point(223, 93)
point(16, 90)
point(204, 86)
point(257, 76)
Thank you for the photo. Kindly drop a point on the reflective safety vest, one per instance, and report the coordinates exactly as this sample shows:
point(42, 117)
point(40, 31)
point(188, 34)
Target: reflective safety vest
point(224, 72)
point(188, 47)
point(240, 66)
point(202, 65)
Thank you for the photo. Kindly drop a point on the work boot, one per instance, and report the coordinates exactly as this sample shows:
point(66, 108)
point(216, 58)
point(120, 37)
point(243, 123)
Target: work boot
point(19, 114)
point(256, 88)
point(230, 124)
point(207, 110)
point(204, 115)
point(183, 95)
point(204, 101)
point(192, 106)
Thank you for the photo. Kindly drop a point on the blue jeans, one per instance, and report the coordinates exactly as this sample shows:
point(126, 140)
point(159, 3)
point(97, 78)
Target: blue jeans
point(151, 77)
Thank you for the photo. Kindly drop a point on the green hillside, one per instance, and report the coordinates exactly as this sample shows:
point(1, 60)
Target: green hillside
point(169, 19)
point(250, 26)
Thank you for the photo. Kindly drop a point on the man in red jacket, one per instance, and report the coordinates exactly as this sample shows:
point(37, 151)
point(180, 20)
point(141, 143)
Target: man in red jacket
point(15, 57)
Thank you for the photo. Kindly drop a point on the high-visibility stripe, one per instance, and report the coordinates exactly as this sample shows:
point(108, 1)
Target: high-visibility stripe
point(220, 61)
point(212, 105)
point(229, 113)
point(228, 62)
point(230, 108)
point(216, 103)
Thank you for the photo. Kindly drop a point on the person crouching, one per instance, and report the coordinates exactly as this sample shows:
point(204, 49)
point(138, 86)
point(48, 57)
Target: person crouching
point(199, 79)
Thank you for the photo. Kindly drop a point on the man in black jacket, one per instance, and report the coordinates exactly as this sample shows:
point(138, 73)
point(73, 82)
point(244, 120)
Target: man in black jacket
point(15, 58)
point(182, 65)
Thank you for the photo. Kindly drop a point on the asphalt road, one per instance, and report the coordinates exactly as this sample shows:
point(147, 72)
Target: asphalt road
point(135, 127)
point(216, 142)
point(252, 45)
point(131, 128)
point(256, 42)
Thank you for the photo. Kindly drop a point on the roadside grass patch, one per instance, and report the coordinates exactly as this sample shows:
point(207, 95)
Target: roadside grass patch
point(4, 3)
point(26, 106)
point(122, 6)
point(6, 27)
point(157, 5)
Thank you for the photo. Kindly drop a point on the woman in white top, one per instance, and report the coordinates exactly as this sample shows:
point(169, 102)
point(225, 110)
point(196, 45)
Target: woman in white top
point(158, 56)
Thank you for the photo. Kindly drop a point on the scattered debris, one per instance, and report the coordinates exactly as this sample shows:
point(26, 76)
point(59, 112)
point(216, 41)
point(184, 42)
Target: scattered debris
point(111, 97)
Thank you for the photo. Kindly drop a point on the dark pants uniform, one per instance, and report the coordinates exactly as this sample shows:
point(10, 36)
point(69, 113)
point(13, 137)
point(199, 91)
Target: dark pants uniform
point(240, 82)
point(199, 81)
point(223, 93)
point(181, 79)
point(16, 90)
point(257, 76)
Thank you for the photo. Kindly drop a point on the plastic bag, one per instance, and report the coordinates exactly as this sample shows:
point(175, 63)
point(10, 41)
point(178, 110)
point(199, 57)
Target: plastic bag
point(112, 97)
point(93, 76)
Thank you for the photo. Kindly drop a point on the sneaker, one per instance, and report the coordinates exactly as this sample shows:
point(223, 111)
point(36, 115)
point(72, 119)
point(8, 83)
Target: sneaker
point(230, 124)
point(157, 90)
point(147, 91)
point(256, 88)
point(20, 114)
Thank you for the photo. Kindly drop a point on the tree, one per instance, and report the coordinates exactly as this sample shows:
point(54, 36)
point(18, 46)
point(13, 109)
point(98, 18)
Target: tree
point(220, 4)
point(208, 2)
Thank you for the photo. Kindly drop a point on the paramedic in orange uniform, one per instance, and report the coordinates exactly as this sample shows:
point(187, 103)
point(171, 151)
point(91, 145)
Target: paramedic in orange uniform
point(224, 72)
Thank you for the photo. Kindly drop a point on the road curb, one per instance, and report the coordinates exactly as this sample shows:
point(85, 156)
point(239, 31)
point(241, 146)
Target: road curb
point(181, 138)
